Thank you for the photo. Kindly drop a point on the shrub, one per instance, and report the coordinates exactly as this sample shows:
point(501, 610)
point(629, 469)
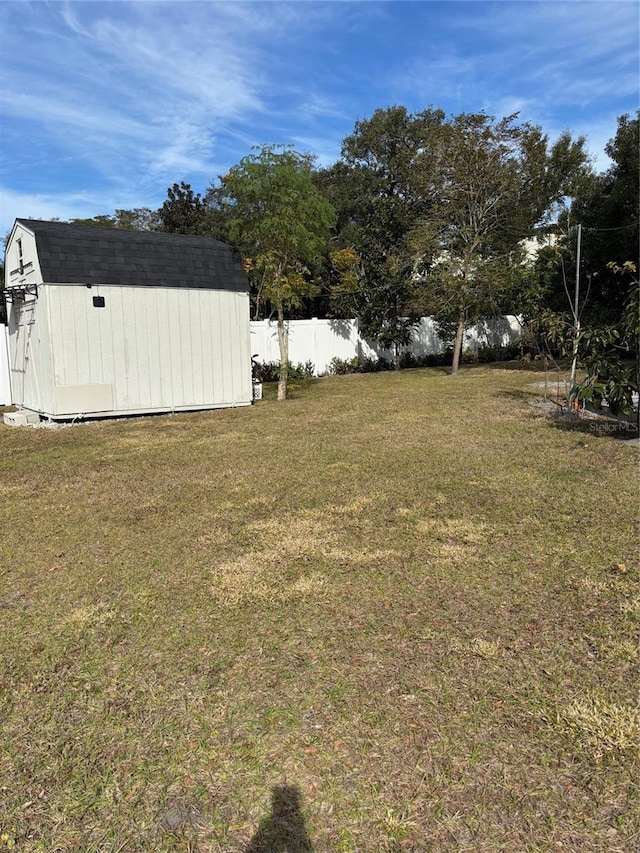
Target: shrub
point(342, 366)
point(375, 365)
point(267, 372)
point(508, 352)
point(270, 370)
point(303, 371)
point(408, 360)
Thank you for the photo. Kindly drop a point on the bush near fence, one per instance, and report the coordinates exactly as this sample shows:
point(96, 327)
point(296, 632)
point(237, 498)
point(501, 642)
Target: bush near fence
point(318, 347)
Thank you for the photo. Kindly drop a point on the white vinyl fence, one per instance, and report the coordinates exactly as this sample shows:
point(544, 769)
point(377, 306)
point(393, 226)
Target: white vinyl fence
point(320, 341)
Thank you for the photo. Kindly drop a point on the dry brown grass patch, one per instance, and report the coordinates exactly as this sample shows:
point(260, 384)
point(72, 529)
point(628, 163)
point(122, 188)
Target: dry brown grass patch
point(600, 727)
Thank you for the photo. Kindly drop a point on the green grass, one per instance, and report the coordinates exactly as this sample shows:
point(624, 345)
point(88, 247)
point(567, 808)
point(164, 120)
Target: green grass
point(396, 613)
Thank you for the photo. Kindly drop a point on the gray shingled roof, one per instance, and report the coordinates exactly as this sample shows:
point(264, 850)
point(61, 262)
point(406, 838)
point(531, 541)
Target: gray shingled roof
point(84, 254)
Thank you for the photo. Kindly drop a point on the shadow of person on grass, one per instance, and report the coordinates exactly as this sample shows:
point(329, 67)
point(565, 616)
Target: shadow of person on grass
point(283, 829)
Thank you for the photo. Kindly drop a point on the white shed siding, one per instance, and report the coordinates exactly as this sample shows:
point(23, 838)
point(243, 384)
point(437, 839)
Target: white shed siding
point(29, 354)
point(5, 376)
point(30, 271)
point(156, 348)
point(173, 332)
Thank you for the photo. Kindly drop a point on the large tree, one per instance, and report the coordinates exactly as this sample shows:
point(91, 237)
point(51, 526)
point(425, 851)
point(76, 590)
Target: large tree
point(607, 340)
point(183, 211)
point(374, 193)
point(281, 222)
point(138, 219)
point(491, 182)
point(608, 208)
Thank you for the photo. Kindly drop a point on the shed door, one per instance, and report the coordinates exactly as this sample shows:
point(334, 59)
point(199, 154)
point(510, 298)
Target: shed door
point(21, 345)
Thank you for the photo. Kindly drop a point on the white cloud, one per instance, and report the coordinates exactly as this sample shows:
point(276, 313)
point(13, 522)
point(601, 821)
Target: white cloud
point(138, 89)
point(567, 53)
point(326, 151)
point(564, 65)
point(44, 206)
point(115, 101)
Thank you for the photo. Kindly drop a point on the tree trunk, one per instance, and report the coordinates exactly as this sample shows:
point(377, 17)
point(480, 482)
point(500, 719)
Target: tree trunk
point(283, 342)
point(457, 347)
point(574, 362)
point(637, 370)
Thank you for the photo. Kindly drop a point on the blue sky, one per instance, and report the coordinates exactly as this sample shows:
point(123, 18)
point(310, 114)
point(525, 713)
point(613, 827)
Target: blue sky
point(104, 105)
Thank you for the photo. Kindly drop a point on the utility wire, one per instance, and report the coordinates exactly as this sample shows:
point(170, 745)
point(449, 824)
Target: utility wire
point(619, 228)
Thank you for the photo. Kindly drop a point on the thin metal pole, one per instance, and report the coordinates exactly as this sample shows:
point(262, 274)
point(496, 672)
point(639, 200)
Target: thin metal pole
point(576, 312)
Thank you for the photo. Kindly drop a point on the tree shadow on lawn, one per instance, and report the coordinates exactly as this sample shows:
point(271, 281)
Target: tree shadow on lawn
point(600, 427)
point(283, 830)
point(560, 417)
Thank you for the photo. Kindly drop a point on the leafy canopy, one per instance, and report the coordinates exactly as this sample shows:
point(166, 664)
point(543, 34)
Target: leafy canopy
point(279, 220)
point(374, 191)
point(183, 211)
point(492, 183)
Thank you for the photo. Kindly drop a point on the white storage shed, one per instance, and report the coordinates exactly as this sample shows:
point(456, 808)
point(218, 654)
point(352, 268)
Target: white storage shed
point(107, 322)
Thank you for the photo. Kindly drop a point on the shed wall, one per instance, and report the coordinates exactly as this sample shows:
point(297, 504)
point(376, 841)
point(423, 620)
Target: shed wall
point(147, 349)
point(5, 378)
point(23, 268)
point(30, 353)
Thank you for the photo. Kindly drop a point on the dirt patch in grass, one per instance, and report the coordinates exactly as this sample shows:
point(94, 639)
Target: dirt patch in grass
point(388, 615)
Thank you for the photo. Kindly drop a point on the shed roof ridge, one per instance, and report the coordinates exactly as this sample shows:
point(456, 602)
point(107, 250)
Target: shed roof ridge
point(127, 233)
point(91, 254)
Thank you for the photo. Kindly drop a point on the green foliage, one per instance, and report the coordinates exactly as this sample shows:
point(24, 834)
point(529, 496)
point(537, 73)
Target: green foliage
point(487, 353)
point(493, 182)
point(103, 220)
point(408, 361)
point(377, 203)
point(433, 209)
point(538, 291)
point(609, 353)
point(611, 357)
point(608, 208)
point(279, 220)
point(608, 380)
point(343, 366)
point(269, 371)
point(549, 174)
point(137, 219)
point(347, 274)
point(183, 211)
point(281, 223)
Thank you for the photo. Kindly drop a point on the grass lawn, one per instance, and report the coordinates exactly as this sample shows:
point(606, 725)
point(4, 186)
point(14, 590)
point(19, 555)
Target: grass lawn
point(396, 613)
